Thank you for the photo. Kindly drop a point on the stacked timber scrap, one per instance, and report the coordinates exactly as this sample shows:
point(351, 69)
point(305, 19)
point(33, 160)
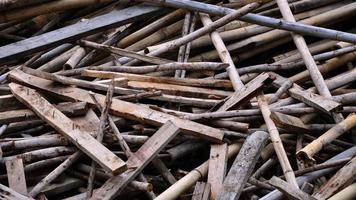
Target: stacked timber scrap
point(177, 99)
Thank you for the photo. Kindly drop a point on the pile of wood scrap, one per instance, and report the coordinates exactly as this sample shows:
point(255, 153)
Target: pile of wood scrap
point(177, 99)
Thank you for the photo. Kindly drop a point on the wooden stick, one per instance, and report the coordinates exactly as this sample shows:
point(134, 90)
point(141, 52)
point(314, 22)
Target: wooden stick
point(243, 165)
point(290, 191)
point(9, 194)
point(261, 20)
point(241, 96)
point(201, 191)
point(347, 193)
point(69, 33)
point(168, 80)
point(311, 149)
point(192, 177)
point(217, 168)
point(65, 126)
point(276, 141)
point(138, 161)
point(307, 57)
point(216, 24)
point(223, 54)
point(342, 177)
point(16, 175)
point(122, 108)
point(55, 173)
point(100, 136)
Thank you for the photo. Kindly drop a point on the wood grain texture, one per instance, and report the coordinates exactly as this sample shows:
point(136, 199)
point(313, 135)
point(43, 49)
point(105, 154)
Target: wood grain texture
point(243, 166)
point(137, 162)
point(83, 140)
point(121, 108)
point(16, 175)
point(217, 167)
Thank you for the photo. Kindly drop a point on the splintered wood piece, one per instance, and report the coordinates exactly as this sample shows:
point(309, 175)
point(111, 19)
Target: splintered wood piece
point(9, 194)
point(217, 167)
point(16, 175)
point(314, 100)
point(69, 33)
point(201, 191)
point(241, 96)
point(345, 175)
point(83, 140)
point(69, 109)
point(243, 166)
point(137, 162)
point(290, 191)
point(288, 122)
point(121, 108)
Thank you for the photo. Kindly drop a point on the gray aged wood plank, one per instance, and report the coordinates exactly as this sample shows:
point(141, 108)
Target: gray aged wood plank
point(16, 175)
point(243, 166)
point(75, 31)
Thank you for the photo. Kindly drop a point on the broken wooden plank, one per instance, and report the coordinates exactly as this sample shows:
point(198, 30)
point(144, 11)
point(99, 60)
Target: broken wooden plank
point(9, 194)
point(137, 161)
point(16, 175)
point(217, 167)
point(289, 122)
point(243, 166)
point(121, 108)
point(288, 189)
point(314, 100)
point(83, 140)
point(72, 32)
point(241, 96)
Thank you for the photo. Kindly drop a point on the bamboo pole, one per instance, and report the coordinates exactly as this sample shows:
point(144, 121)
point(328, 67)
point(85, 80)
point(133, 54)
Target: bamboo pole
point(311, 149)
point(277, 142)
point(192, 177)
point(223, 54)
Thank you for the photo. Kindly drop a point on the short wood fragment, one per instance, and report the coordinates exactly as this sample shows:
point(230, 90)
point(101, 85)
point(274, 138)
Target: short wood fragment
point(217, 167)
point(16, 175)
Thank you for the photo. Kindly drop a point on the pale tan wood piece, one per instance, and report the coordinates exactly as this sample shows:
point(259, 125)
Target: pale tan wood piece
point(16, 175)
point(217, 167)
